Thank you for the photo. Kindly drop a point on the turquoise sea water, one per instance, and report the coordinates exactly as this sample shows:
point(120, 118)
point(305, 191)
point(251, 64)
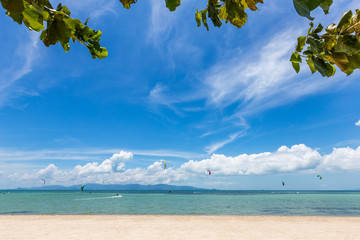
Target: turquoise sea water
point(276, 203)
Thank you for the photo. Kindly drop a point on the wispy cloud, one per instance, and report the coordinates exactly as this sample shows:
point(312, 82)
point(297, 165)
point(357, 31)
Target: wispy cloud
point(82, 154)
point(349, 142)
point(262, 81)
point(159, 28)
point(357, 123)
point(93, 9)
point(21, 64)
point(248, 81)
point(215, 146)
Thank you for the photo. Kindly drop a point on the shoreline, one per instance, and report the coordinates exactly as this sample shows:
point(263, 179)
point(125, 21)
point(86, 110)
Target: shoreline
point(177, 227)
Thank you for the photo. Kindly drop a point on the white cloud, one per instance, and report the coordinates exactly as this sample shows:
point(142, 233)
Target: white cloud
point(357, 123)
point(342, 159)
point(49, 172)
point(296, 159)
point(113, 164)
point(96, 173)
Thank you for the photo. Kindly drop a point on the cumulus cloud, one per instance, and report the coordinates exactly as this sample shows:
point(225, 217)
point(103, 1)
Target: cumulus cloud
point(49, 172)
point(113, 164)
point(295, 159)
point(357, 123)
point(342, 159)
point(284, 160)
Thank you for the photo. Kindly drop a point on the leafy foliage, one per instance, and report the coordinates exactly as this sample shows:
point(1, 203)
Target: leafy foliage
point(339, 45)
point(60, 27)
point(232, 11)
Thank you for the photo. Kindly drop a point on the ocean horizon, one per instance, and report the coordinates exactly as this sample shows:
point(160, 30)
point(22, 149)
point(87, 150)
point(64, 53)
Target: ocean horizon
point(184, 202)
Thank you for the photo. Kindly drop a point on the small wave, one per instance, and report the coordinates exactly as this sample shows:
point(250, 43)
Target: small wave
point(79, 199)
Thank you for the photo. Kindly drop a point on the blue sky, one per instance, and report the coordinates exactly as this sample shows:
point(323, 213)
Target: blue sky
point(226, 100)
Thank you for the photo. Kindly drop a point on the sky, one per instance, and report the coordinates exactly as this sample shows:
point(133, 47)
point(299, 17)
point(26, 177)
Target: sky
point(227, 100)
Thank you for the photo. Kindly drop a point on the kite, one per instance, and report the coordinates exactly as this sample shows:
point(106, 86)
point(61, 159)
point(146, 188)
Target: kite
point(82, 187)
point(319, 176)
point(283, 183)
point(209, 172)
point(43, 181)
point(164, 163)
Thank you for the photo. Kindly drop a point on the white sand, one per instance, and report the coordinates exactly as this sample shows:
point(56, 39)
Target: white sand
point(78, 227)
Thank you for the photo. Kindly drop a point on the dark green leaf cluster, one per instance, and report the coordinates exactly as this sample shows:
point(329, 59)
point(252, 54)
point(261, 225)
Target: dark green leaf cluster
point(339, 45)
point(60, 27)
point(304, 7)
point(232, 11)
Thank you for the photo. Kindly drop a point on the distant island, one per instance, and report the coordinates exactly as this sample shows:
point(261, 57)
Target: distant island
point(116, 187)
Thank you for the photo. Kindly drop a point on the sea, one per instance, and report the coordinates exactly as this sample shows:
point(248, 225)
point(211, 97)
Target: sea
point(242, 203)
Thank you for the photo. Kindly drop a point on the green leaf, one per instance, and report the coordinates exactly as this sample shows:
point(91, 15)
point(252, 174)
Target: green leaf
point(302, 8)
point(354, 61)
point(204, 19)
point(17, 17)
point(331, 71)
point(126, 3)
point(13, 6)
point(331, 29)
point(223, 14)
point(316, 43)
point(213, 13)
point(325, 5)
point(236, 13)
point(348, 44)
point(311, 65)
point(345, 20)
point(340, 59)
point(329, 42)
point(32, 18)
point(296, 66)
point(295, 57)
point(300, 43)
point(198, 18)
point(65, 46)
point(325, 69)
point(172, 4)
point(66, 11)
point(318, 29)
point(311, 27)
point(252, 4)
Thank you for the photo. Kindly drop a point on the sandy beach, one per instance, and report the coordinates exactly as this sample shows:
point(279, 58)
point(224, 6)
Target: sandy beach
point(176, 227)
